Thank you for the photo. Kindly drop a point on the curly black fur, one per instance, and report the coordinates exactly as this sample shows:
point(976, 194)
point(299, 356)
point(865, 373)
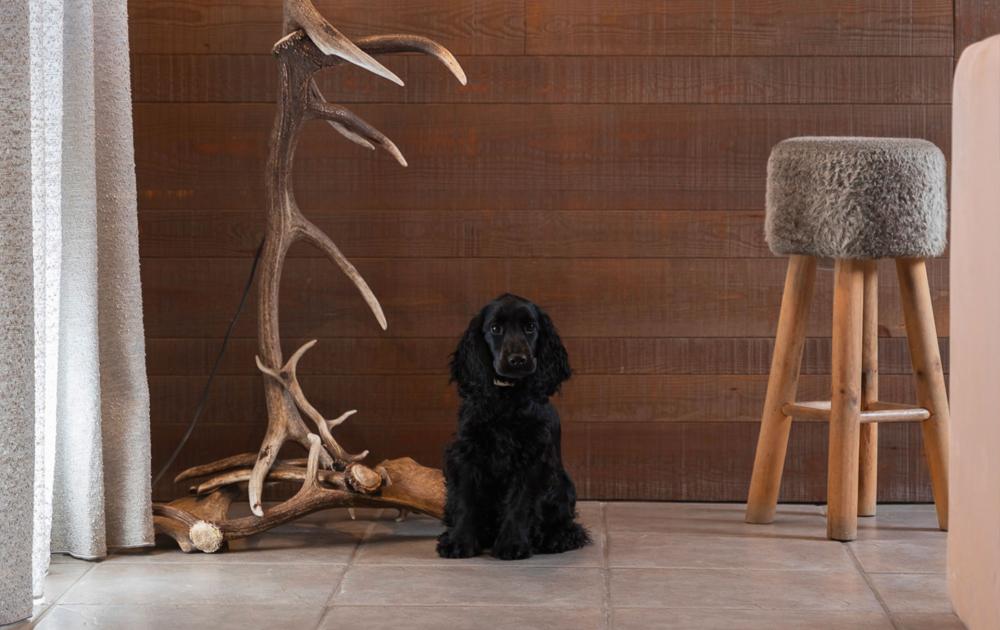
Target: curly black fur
point(507, 488)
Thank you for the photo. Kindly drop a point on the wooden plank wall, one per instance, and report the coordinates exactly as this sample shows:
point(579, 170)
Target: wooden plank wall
point(607, 159)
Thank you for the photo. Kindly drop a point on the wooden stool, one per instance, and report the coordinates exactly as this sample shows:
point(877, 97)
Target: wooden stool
point(854, 200)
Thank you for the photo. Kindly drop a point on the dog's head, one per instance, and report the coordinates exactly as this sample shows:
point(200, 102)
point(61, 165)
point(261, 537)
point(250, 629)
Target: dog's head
point(511, 343)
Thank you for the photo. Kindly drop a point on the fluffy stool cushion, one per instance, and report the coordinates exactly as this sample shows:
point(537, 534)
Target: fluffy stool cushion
point(856, 198)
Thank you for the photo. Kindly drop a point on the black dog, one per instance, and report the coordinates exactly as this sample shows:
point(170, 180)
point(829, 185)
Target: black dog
point(507, 488)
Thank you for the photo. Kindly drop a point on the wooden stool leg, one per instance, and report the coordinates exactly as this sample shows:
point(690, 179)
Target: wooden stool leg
point(845, 405)
point(926, 357)
point(868, 454)
point(781, 386)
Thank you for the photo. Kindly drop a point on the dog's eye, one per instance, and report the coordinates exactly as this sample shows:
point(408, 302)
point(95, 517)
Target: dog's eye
point(496, 329)
point(529, 327)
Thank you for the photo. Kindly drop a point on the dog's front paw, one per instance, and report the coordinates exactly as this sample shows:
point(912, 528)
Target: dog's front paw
point(512, 550)
point(565, 538)
point(457, 547)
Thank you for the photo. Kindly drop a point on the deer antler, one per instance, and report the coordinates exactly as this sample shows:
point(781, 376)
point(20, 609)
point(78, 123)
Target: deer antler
point(302, 14)
point(357, 128)
point(391, 44)
point(280, 472)
point(301, 54)
point(387, 44)
point(310, 44)
point(288, 379)
point(316, 95)
point(197, 524)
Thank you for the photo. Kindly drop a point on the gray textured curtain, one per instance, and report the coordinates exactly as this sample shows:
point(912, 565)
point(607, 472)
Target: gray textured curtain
point(74, 403)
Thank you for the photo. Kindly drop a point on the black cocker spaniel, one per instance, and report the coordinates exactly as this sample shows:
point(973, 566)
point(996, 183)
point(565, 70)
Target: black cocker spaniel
point(507, 488)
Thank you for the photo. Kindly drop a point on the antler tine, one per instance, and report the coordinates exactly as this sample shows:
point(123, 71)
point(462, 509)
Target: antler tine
point(339, 420)
point(388, 44)
point(273, 441)
point(303, 14)
point(318, 97)
point(235, 461)
point(266, 370)
point(318, 238)
point(312, 465)
point(289, 379)
point(280, 472)
point(356, 125)
point(293, 361)
point(290, 365)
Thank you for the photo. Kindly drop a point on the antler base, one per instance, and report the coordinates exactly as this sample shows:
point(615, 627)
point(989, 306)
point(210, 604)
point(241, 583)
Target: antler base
point(200, 522)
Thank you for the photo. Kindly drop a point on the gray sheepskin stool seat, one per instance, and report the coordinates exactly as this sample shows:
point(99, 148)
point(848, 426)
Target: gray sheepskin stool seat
point(859, 198)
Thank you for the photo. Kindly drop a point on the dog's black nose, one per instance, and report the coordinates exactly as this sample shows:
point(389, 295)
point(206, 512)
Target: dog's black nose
point(517, 360)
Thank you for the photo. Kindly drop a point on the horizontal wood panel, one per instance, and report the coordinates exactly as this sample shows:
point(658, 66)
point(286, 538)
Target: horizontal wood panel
point(401, 398)
point(689, 461)
point(211, 156)
point(975, 20)
point(563, 79)
point(471, 234)
point(722, 27)
point(252, 26)
point(675, 461)
point(590, 355)
point(437, 297)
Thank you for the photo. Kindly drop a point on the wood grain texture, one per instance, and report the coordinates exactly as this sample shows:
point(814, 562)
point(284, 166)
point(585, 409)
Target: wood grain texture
point(607, 159)
point(564, 79)
point(470, 27)
point(684, 461)
point(473, 234)
point(387, 355)
point(721, 27)
point(868, 452)
point(536, 156)
point(587, 297)
point(429, 398)
point(975, 20)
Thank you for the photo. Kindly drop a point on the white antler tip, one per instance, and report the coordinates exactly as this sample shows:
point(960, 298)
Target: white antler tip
point(391, 147)
point(206, 537)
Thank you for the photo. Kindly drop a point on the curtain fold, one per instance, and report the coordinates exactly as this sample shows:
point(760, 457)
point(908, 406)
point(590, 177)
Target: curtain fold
point(17, 387)
point(75, 467)
point(46, 46)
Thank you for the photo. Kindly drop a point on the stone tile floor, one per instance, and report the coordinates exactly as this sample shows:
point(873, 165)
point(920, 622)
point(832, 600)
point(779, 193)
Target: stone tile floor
point(652, 566)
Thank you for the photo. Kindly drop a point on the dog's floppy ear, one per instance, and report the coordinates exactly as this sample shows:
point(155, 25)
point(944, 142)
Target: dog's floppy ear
point(471, 363)
point(553, 361)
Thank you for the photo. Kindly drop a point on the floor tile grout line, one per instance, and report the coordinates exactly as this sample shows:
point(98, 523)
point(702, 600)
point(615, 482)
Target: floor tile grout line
point(432, 564)
point(497, 604)
point(606, 608)
point(347, 567)
point(871, 587)
point(56, 601)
